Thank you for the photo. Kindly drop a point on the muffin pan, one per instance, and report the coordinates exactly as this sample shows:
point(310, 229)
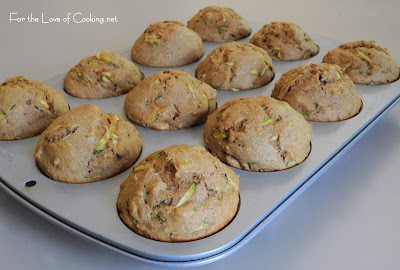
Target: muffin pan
point(89, 210)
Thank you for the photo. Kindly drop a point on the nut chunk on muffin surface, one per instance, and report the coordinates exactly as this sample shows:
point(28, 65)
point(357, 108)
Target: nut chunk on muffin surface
point(170, 100)
point(365, 62)
point(285, 41)
point(320, 92)
point(87, 145)
point(180, 193)
point(258, 134)
point(219, 24)
point(27, 108)
point(167, 44)
point(236, 66)
point(105, 75)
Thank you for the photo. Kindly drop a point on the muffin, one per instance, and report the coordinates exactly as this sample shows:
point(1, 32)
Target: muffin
point(180, 193)
point(236, 66)
point(258, 134)
point(170, 100)
point(102, 76)
point(28, 107)
point(219, 24)
point(285, 41)
point(167, 44)
point(87, 145)
point(365, 62)
point(320, 92)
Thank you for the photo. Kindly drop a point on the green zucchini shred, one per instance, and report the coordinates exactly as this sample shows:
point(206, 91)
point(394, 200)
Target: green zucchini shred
point(221, 137)
point(230, 181)
point(249, 164)
point(98, 149)
point(161, 217)
point(269, 120)
point(239, 143)
point(141, 167)
point(156, 156)
point(187, 195)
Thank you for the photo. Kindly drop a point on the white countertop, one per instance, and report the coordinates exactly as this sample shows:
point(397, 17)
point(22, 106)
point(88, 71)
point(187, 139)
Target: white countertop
point(348, 219)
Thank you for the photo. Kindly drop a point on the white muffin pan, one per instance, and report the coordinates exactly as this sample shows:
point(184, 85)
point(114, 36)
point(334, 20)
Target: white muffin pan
point(89, 210)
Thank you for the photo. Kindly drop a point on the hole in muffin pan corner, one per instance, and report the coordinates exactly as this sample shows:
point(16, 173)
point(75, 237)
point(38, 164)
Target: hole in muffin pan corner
point(30, 183)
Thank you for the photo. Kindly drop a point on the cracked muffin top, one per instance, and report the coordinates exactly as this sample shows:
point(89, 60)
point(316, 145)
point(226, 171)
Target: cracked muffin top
point(365, 62)
point(258, 134)
point(285, 41)
point(87, 145)
point(27, 107)
point(170, 100)
point(180, 193)
point(320, 92)
point(102, 76)
point(167, 44)
point(219, 24)
point(235, 66)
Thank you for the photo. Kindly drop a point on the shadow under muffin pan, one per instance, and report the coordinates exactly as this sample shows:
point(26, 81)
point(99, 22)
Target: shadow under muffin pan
point(89, 210)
